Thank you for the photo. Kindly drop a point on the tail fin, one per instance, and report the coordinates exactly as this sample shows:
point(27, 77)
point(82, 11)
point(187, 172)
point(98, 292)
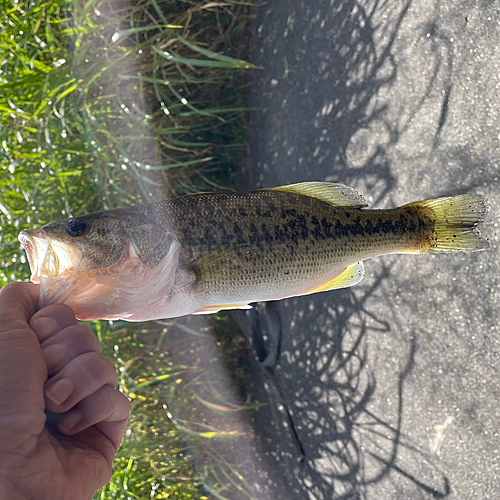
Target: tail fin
point(453, 223)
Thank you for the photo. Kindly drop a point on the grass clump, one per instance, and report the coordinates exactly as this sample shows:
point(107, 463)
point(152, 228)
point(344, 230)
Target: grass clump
point(109, 103)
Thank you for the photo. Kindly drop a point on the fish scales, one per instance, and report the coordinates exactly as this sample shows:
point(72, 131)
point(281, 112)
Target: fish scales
point(271, 240)
point(267, 222)
point(206, 252)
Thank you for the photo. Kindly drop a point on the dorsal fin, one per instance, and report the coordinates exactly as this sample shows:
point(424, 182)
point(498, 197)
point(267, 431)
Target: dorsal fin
point(332, 193)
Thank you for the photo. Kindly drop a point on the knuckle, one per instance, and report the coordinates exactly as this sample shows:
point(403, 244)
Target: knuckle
point(51, 321)
point(55, 356)
point(78, 338)
point(18, 295)
point(16, 288)
point(91, 339)
point(89, 372)
point(122, 398)
point(56, 310)
point(81, 334)
point(100, 368)
point(111, 370)
point(13, 287)
point(120, 404)
point(125, 402)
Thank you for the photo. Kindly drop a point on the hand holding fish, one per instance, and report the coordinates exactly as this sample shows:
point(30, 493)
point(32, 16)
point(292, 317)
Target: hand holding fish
point(52, 368)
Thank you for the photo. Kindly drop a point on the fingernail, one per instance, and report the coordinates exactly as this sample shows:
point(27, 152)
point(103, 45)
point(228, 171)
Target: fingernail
point(70, 421)
point(44, 327)
point(59, 391)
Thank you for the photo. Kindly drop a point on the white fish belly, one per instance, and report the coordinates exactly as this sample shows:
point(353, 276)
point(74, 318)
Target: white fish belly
point(223, 294)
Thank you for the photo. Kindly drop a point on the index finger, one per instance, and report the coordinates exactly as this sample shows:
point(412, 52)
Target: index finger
point(18, 302)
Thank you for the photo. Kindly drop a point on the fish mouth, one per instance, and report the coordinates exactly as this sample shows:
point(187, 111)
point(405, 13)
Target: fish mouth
point(52, 264)
point(36, 245)
point(48, 257)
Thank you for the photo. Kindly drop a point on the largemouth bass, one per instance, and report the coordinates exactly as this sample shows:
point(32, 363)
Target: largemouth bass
point(205, 252)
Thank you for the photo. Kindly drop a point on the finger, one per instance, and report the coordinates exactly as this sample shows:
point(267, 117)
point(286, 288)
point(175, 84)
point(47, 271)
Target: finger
point(113, 431)
point(96, 439)
point(17, 304)
point(105, 405)
point(81, 377)
point(51, 320)
point(68, 344)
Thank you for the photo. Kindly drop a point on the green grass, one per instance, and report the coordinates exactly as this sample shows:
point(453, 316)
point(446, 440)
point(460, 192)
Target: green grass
point(104, 104)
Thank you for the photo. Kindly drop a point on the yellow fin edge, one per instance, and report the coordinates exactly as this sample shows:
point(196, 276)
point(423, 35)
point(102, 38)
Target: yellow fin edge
point(351, 275)
point(454, 220)
point(337, 195)
point(216, 308)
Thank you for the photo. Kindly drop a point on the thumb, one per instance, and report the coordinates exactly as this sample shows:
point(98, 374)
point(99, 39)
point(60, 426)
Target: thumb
point(18, 302)
point(22, 368)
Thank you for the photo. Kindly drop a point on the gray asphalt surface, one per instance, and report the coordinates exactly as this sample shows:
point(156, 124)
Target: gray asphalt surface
point(392, 385)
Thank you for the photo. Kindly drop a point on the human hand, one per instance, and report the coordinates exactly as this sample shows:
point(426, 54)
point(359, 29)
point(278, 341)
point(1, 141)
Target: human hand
point(48, 362)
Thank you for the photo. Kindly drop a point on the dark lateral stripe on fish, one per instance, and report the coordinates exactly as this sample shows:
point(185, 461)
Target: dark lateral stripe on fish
point(399, 226)
point(297, 229)
point(328, 230)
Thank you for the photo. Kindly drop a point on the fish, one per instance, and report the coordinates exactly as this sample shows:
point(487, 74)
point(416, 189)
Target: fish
point(207, 252)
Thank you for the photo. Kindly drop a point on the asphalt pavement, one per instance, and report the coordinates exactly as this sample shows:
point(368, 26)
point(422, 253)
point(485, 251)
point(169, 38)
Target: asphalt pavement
point(390, 389)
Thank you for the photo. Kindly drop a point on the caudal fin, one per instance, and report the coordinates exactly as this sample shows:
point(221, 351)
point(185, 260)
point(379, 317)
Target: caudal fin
point(453, 222)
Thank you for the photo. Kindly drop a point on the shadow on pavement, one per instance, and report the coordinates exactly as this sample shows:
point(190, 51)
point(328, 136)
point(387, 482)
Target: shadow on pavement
point(317, 426)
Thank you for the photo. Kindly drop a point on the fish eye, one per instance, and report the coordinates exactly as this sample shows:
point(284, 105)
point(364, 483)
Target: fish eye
point(75, 227)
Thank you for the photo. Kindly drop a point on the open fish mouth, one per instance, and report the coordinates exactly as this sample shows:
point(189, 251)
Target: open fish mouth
point(36, 246)
point(51, 263)
point(48, 257)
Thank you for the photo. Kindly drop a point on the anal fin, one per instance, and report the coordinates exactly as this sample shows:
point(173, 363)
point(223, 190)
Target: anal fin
point(351, 275)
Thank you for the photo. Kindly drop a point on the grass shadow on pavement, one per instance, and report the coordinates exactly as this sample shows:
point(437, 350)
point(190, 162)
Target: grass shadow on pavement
point(323, 390)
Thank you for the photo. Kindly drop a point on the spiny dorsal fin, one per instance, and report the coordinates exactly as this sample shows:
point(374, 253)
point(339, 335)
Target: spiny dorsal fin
point(332, 193)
